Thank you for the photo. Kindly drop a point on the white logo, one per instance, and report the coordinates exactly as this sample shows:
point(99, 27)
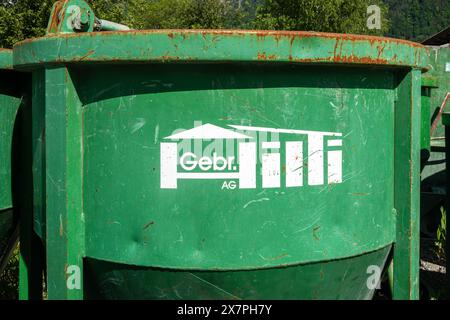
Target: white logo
point(243, 167)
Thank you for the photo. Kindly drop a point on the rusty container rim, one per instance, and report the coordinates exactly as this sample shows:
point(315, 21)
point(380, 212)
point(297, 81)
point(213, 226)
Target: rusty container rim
point(6, 59)
point(195, 45)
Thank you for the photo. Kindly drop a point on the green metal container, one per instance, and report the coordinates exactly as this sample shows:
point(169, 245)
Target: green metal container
point(190, 164)
point(10, 100)
point(9, 103)
point(16, 176)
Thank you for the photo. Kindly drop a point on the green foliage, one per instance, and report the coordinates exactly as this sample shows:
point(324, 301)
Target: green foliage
point(343, 16)
point(440, 235)
point(113, 10)
point(417, 20)
point(408, 19)
point(163, 14)
point(9, 279)
point(176, 14)
point(209, 14)
point(22, 19)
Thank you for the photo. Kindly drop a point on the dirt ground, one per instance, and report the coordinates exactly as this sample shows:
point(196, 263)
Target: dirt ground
point(432, 275)
point(432, 272)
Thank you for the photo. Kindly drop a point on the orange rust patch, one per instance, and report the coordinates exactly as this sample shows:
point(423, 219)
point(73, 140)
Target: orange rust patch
point(54, 22)
point(278, 35)
point(263, 56)
point(87, 55)
point(362, 60)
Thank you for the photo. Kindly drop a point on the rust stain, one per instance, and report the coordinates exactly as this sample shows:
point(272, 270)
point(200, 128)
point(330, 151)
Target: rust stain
point(361, 60)
point(341, 40)
point(87, 55)
point(61, 229)
point(278, 257)
point(149, 224)
point(314, 232)
point(380, 49)
point(291, 41)
point(55, 20)
point(335, 47)
point(278, 35)
point(263, 56)
point(322, 275)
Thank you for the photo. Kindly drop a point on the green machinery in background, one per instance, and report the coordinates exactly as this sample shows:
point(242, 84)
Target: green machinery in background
point(435, 95)
point(184, 164)
point(440, 60)
point(434, 176)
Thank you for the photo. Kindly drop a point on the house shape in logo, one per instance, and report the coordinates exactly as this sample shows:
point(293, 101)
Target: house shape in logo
point(271, 161)
point(247, 158)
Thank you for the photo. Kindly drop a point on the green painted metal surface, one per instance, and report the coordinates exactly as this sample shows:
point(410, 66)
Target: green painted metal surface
point(220, 46)
point(429, 83)
point(16, 176)
point(229, 157)
point(6, 59)
point(9, 104)
point(337, 279)
point(71, 16)
point(433, 174)
point(440, 70)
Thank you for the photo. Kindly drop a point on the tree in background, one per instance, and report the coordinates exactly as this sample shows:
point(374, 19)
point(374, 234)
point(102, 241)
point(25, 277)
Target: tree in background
point(189, 14)
point(417, 20)
point(408, 19)
point(9, 279)
point(113, 10)
point(22, 19)
point(344, 16)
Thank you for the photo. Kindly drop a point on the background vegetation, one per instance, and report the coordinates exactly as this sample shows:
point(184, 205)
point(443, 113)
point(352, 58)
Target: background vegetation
point(409, 19)
point(9, 279)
